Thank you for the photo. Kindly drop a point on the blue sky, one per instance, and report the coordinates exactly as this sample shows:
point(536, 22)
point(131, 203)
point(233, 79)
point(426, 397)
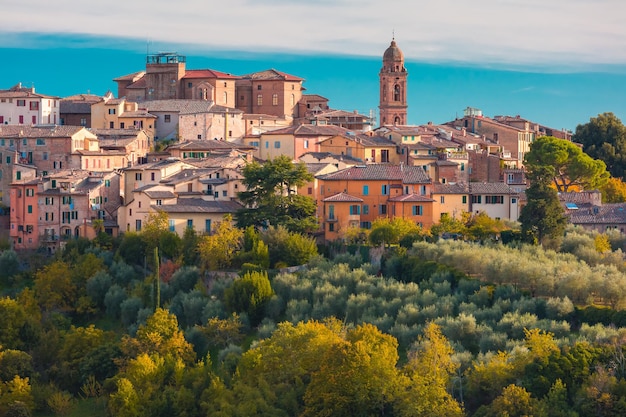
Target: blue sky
point(557, 62)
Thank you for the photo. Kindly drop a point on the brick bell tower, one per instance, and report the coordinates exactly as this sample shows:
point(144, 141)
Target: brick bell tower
point(393, 76)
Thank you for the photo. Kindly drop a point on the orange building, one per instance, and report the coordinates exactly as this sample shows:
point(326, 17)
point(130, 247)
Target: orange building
point(385, 191)
point(368, 148)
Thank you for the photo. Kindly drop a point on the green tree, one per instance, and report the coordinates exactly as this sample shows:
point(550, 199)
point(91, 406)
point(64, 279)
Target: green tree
point(450, 225)
point(604, 138)
point(482, 227)
point(288, 248)
point(159, 335)
point(270, 198)
point(9, 266)
point(513, 402)
point(218, 250)
point(54, 289)
point(542, 217)
point(571, 167)
point(428, 374)
point(250, 294)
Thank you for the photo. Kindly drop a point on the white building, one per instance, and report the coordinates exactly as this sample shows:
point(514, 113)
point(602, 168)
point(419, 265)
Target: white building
point(22, 106)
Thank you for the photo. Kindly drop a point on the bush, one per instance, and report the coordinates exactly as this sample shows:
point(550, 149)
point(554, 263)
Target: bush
point(250, 294)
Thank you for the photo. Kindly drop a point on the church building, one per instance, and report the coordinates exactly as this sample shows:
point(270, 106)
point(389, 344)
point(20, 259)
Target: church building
point(393, 85)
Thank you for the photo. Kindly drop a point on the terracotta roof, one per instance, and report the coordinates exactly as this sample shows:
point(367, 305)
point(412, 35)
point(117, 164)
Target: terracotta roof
point(342, 198)
point(458, 188)
point(208, 73)
point(314, 97)
point(160, 194)
point(52, 131)
point(198, 205)
point(309, 130)
point(208, 145)
point(137, 113)
point(271, 74)
point(605, 214)
point(130, 77)
point(406, 174)
point(412, 198)
point(323, 155)
point(490, 188)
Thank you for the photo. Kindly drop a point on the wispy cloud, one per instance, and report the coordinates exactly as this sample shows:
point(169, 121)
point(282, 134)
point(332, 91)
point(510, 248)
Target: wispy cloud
point(506, 32)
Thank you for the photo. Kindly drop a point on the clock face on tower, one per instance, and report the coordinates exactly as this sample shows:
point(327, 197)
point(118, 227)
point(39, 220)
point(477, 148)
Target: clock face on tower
point(393, 82)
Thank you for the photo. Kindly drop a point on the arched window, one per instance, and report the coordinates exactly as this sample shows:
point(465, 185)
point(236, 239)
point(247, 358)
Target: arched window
point(396, 92)
point(225, 97)
point(293, 99)
point(384, 93)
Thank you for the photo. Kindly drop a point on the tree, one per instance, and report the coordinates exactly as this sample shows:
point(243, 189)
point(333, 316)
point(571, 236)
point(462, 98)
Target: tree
point(482, 227)
point(428, 374)
point(450, 225)
point(250, 294)
point(387, 231)
point(571, 167)
point(542, 217)
point(604, 138)
point(288, 248)
point(614, 191)
point(218, 250)
point(270, 198)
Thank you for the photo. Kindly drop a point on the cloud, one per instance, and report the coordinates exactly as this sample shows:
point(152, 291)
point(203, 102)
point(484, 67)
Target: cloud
point(548, 33)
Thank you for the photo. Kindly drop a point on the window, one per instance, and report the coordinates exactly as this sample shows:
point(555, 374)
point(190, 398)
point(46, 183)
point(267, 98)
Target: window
point(306, 144)
point(189, 223)
point(331, 227)
point(259, 99)
point(494, 199)
point(30, 209)
point(44, 156)
point(382, 209)
point(21, 103)
point(385, 189)
point(54, 184)
point(34, 105)
point(309, 190)
point(172, 225)
point(514, 200)
point(18, 175)
point(355, 209)
point(464, 199)
point(167, 118)
point(259, 87)
point(137, 225)
point(462, 166)
point(111, 125)
point(122, 125)
point(331, 212)
point(274, 99)
point(207, 225)
point(33, 120)
point(366, 190)
point(189, 85)
point(159, 202)
point(152, 176)
point(138, 176)
point(366, 209)
point(83, 121)
point(40, 142)
point(366, 225)
point(107, 183)
point(442, 199)
point(277, 144)
point(267, 144)
point(111, 111)
point(422, 189)
point(476, 199)
point(30, 192)
point(418, 210)
point(8, 159)
point(225, 193)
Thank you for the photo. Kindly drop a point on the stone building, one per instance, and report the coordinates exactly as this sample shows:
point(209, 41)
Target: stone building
point(393, 87)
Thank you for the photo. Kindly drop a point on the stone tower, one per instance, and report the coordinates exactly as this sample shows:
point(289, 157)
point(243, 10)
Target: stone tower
point(393, 105)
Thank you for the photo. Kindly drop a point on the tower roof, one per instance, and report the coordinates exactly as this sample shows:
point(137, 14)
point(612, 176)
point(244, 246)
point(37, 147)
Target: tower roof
point(393, 53)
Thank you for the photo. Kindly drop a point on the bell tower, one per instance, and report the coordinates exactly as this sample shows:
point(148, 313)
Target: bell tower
point(393, 76)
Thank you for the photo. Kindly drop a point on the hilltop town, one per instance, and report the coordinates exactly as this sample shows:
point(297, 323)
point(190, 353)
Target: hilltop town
point(175, 140)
